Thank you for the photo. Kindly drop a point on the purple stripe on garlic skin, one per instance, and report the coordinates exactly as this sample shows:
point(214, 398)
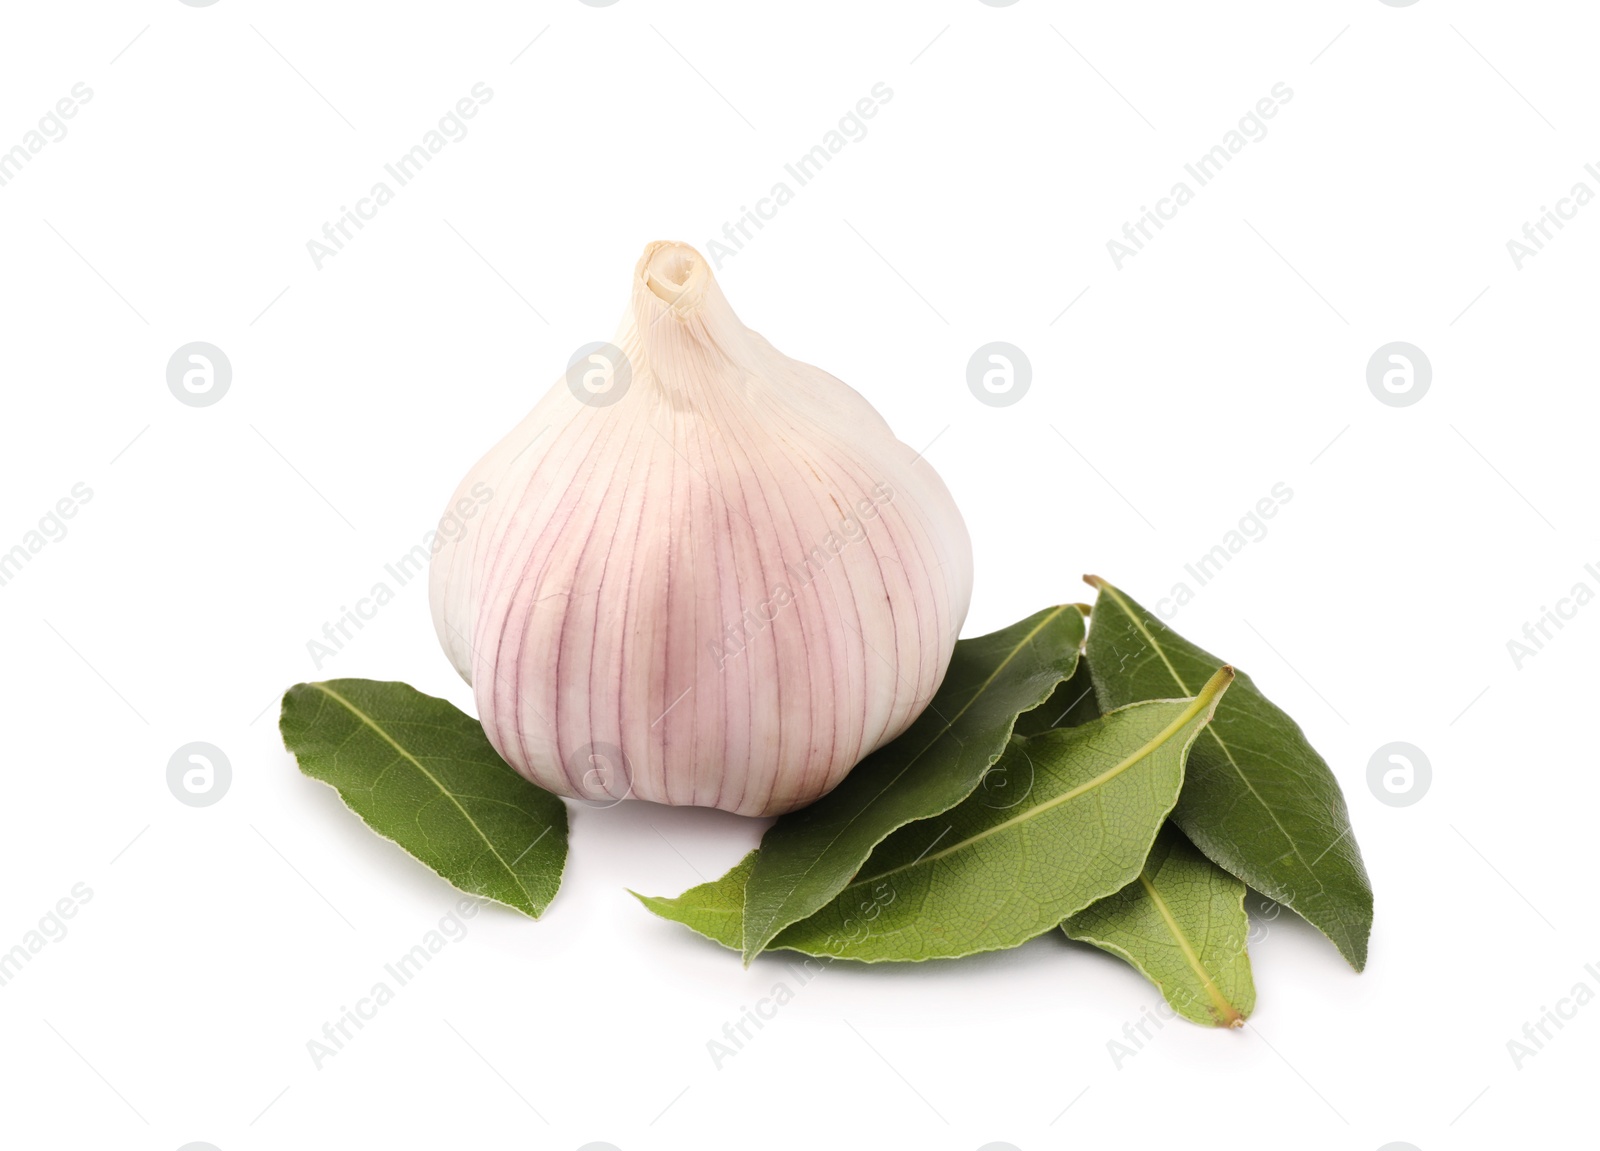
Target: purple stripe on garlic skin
point(588, 601)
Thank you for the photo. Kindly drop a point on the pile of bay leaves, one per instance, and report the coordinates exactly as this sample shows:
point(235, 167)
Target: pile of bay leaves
point(1123, 786)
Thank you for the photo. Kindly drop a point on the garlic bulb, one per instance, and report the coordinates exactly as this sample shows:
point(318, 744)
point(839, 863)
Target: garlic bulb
point(706, 574)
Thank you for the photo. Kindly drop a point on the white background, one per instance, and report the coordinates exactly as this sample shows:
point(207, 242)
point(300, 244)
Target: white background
point(1173, 394)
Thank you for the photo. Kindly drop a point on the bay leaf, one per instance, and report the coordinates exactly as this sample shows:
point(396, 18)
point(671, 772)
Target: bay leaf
point(714, 909)
point(808, 856)
point(1259, 801)
point(1072, 704)
point(420, 771)
point(990, 874)
point(1182, 925)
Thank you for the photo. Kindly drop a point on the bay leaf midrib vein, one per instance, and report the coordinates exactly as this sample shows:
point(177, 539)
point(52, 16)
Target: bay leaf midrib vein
point(845, 827)
point(1294, 845)
point(415, 762)
point(1229, 1012)
point(1148, 748)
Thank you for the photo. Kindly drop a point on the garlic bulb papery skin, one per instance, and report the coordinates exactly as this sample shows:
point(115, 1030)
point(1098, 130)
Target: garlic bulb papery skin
point(709, 576)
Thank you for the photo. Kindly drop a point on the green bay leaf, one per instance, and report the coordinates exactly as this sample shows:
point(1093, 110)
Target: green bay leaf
point(1259, 801)
point(421, 772)
point(809, 856)
point(1074, 825)
point(1182, 925)
point(714, 909)
point(1072, 704)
